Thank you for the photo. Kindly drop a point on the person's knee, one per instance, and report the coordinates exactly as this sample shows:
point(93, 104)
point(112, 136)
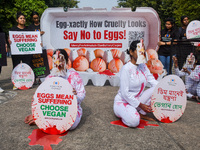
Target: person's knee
point(134, 122)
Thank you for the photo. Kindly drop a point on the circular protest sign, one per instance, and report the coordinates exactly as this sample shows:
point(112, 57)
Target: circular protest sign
point(168, 101)
point(193, 30)
point(23, 76)
point(54, 106)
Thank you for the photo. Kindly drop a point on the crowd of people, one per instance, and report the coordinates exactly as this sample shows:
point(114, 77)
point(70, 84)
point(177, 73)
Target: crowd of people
point(132, 101)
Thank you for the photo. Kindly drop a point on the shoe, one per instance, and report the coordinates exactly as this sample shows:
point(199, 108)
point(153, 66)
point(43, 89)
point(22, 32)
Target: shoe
point(1, 90)
point(14, 87)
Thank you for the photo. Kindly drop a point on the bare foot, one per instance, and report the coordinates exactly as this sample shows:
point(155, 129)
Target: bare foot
point(146, 118)
point(29, 120)
point(198, 99)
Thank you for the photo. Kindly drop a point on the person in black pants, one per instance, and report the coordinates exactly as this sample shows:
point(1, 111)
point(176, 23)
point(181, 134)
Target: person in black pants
point(16, 59)
point(167, 36)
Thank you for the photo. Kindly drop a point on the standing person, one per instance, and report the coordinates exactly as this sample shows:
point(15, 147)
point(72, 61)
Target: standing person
point(60, 60)
point(168, 34)
point(182, 30)
point(131, 97)
point(35, 26)
point(16, 59)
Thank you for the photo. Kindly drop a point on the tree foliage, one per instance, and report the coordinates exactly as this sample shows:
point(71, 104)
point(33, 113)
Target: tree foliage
point(9, 9)
point(62, 3)
point(167, 8)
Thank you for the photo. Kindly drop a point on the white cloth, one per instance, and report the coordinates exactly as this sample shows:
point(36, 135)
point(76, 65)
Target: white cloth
point(133, 80)
point(195, 76)
point(190, 84)
point(75, 80)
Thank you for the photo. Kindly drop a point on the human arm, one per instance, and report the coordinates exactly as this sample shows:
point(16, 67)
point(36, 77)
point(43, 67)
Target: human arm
point(126, 93)
point(78, 86)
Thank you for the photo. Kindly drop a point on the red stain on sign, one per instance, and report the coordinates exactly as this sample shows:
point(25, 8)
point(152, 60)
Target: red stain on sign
point(166, 120)
point(38, 137)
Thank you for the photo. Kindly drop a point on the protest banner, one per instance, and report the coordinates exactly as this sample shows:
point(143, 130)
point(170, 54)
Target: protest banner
point(3, 60)
point(23, 43)
point(168, 101)
point(99, 31)
point(93, 28)
point(40, 64)
point(54, 106)
point(193, 31)
point(23, 76)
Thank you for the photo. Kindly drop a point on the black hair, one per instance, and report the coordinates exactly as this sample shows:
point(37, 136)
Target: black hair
point(19, 14)
point(132, 47)
point(34, 13)
point(62, 51)
point(183, 17)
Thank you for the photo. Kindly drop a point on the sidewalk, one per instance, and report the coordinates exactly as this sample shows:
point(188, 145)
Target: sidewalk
point(94, 131)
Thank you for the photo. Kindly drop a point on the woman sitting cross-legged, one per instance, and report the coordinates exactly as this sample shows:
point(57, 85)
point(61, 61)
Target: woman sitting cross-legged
point(133, 102)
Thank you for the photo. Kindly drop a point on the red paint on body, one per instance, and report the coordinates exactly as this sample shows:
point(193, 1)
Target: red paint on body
point(142, 124)
point(142, 88)
point(155, 75)
point(40, 138)
point(107, 72)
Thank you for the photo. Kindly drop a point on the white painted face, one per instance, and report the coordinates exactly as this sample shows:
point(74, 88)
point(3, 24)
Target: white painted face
point(140, 53)
point(59, 64)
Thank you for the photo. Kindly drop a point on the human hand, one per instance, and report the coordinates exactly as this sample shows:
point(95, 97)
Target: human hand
point(74, 91)
point(42, 32)
point(175, 61)
point(186, 70)
point(161, 43)
point(146, 108)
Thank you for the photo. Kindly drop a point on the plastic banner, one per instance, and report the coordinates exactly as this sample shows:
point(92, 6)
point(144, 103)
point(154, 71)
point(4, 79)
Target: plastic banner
point(168, 101)
point(25, 42)
point(54, 106)
point(40, 64)
point(23, 76)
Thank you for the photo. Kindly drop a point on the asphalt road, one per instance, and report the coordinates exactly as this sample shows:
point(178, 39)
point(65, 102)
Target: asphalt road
point(94, 131)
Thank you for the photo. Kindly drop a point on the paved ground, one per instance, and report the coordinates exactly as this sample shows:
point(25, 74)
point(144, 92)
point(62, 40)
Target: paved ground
point(94, 131)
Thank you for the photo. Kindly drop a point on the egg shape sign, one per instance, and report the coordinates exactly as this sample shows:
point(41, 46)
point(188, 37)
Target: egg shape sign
point(23, 76)
point(168, 101)
point(54, 106)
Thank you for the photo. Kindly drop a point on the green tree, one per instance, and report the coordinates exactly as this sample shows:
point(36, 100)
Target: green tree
point(161, 6)
point(189, 8)
point(62, 3)
point(167, 8)
point(9, 8)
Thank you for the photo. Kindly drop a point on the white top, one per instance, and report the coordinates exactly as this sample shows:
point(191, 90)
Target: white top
point(195, 74)
point(133, 80)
